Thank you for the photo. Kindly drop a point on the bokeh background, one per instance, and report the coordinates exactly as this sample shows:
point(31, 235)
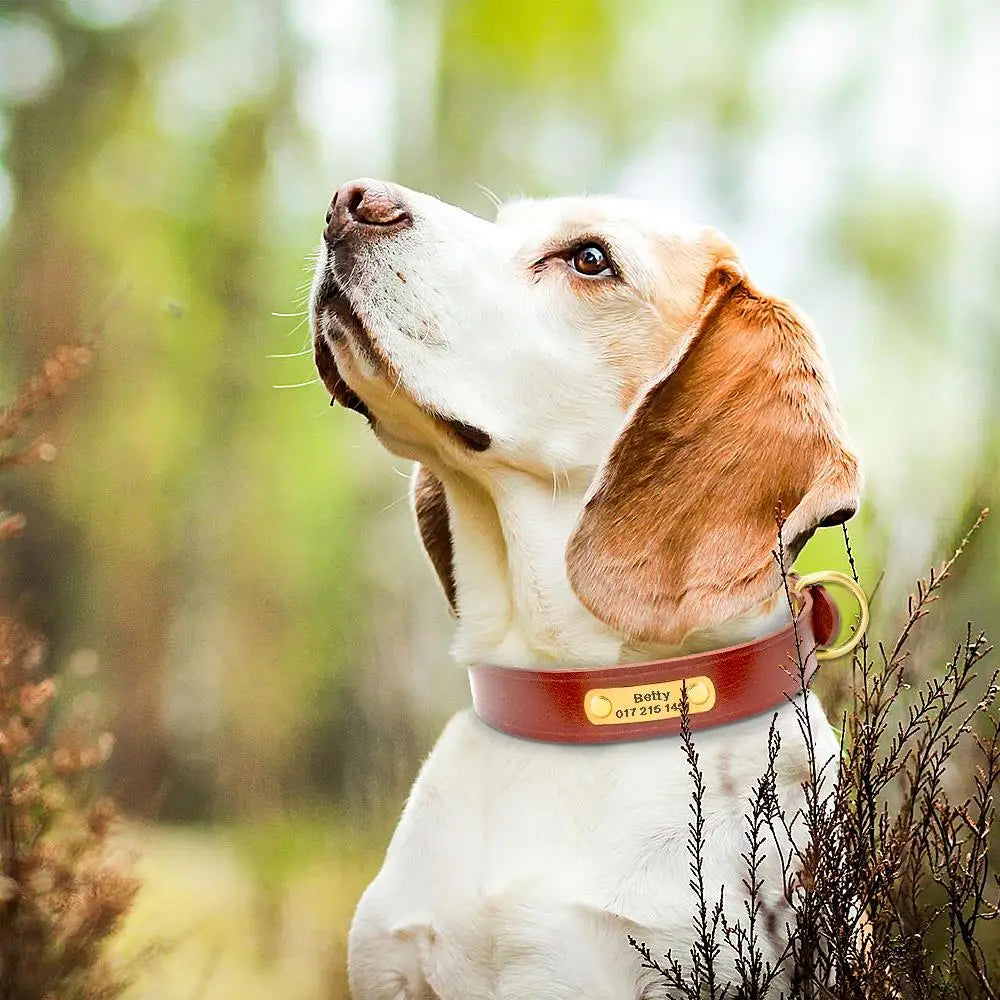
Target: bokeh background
point(229, 561)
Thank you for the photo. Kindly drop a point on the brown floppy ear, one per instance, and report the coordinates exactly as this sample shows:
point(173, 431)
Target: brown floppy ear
point(430, 505)
point(680, 526)
point(336, 386)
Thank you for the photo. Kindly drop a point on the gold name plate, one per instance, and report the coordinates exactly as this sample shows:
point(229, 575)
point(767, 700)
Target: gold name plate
point(648, 702)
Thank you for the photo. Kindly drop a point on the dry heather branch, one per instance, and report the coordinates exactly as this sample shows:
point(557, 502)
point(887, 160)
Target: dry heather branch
point(60, 895)
point(887, 868)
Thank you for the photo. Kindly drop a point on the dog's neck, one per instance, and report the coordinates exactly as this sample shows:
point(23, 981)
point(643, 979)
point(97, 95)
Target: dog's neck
point(516, 605)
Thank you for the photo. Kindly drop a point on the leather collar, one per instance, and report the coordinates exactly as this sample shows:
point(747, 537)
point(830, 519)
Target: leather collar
point(641, 700)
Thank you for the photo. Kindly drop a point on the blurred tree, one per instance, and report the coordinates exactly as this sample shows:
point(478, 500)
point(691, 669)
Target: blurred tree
point(152, 218)
point(51, 287)
point(246, 566)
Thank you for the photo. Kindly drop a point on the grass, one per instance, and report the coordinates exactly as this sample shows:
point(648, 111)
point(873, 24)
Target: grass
point(246, 912)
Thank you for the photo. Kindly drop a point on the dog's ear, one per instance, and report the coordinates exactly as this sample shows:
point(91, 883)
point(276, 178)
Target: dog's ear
point(335, 385)
point(430, 505)
point(680, 524)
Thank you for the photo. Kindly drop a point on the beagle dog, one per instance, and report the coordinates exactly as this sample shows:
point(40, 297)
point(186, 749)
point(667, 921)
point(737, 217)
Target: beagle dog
point(605, 414)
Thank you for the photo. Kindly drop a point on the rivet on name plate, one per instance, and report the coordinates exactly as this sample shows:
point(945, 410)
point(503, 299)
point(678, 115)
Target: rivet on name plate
point(698, 693)
point(600, 706)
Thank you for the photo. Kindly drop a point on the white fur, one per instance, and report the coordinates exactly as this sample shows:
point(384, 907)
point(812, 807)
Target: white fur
point(519, 869)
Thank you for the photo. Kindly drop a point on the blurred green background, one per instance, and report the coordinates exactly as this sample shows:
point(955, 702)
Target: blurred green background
point(235, 558)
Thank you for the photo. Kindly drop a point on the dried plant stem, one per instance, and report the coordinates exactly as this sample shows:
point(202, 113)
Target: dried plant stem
point(10, 859)
point(60, 896)
point(888, 873)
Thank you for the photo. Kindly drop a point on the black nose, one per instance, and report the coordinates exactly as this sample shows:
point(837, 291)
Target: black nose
point(364, 206)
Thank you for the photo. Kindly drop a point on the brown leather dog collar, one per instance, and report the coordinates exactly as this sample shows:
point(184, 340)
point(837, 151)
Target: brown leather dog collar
point(642, 700)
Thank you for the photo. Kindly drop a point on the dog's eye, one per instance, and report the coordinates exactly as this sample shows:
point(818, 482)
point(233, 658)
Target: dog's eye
point(591, 261)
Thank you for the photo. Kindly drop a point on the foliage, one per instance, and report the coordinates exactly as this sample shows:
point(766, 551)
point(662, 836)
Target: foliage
point(886, 869)
point(240, 560)
point(235, 550)
point(61, 894)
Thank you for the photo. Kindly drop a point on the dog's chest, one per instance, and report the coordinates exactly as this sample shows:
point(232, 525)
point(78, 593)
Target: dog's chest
point(538, 862)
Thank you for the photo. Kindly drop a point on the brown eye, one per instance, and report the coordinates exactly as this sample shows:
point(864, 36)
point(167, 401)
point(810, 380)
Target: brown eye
point(591, 261)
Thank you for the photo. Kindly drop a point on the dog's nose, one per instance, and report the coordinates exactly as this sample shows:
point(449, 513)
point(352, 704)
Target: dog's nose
point(365, 205)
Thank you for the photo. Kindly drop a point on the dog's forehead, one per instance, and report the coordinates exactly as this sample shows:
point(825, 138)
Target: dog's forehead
point(538, 220)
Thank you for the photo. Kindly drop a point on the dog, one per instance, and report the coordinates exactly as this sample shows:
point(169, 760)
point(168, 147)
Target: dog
point(605, 414)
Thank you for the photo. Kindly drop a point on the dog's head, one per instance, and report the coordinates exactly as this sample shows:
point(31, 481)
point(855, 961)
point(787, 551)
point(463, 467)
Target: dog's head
point(589, 342)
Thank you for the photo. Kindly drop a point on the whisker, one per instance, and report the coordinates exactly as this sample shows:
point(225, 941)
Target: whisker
point(297, 354)
point(395, 503)
point(490, 195)
point(297, 385)
point(298, 326)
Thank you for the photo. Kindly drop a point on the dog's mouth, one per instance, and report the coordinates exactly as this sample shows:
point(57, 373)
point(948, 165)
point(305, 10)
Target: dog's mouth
point(337, 321)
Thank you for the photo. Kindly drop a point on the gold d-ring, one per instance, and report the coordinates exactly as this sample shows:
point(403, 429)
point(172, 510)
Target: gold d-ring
point(838, 579)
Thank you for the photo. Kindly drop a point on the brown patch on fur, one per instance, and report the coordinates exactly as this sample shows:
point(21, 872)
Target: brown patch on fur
point(680, 530)
point(330, 374)
point(431, 508)
point(639, 350)
point(471, 436)
point(794, 770)
point(778, 921)
point(726, 774)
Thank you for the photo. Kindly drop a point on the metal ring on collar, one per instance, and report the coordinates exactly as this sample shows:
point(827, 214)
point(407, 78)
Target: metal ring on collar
point(837, 579)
